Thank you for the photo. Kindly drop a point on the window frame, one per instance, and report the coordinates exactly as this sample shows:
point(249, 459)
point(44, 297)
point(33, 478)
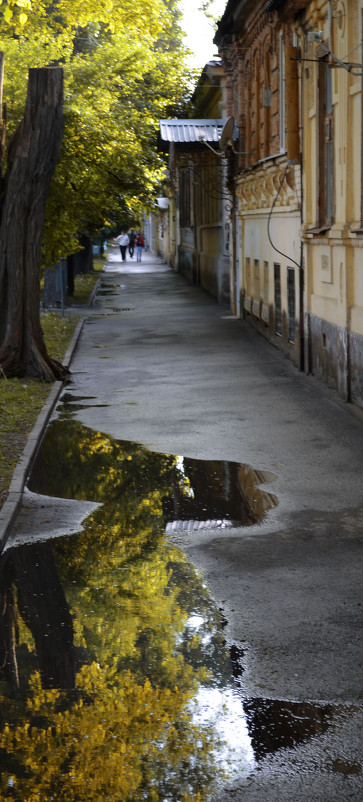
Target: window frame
point(325, 149)
point(277, 299)
point(185, 198)
point(291, 303)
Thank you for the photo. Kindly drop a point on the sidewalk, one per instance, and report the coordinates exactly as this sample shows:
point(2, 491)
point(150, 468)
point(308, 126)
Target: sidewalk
point(11, 507)
point(173, 371)
point(148, 262)
point(160, 363)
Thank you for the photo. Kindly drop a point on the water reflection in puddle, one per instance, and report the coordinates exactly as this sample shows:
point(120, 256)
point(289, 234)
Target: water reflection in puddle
point(192, 493)
point(116, 681)
point(118, 685)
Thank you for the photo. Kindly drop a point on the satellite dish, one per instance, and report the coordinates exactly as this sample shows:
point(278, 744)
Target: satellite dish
point(226, 137)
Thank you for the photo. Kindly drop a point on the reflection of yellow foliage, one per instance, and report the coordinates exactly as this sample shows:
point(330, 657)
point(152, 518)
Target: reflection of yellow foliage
point(111, 743)
point(126, 731)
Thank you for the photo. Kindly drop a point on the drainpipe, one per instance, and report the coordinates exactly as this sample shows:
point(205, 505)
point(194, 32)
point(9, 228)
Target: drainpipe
point(330, 18)
point(232, 169)
point(294, 156)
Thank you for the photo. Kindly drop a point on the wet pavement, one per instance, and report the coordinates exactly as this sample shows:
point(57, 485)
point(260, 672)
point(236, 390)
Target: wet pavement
point(181, 596)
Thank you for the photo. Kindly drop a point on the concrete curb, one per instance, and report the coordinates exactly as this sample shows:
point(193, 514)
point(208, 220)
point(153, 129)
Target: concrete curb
point(10, 509)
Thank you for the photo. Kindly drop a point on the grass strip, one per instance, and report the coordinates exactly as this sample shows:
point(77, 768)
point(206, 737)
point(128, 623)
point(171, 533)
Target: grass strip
point(21, 400)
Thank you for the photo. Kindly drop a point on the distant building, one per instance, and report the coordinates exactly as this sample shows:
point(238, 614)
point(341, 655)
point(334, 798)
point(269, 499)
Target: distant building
point(198, 220)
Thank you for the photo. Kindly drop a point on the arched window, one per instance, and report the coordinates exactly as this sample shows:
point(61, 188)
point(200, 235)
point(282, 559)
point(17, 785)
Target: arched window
point(248, 106)
point(266, 97)
point(282, 92)
point(256, 108)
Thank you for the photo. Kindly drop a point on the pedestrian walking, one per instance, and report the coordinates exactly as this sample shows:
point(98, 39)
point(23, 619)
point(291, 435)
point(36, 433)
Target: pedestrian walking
point(140, 242)
point(123, 241)
point(132, 238)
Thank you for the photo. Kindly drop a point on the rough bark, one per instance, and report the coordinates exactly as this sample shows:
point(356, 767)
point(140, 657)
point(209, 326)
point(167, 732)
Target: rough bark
point(2, 114)
point(31, 160)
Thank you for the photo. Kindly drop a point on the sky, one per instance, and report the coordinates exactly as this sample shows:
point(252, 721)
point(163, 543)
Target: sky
point(199, 30)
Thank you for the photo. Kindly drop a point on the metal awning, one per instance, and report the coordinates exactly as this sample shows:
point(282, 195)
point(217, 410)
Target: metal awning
point(185, 131)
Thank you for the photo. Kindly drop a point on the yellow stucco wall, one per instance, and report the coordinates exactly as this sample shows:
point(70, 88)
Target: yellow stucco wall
point(334, 288)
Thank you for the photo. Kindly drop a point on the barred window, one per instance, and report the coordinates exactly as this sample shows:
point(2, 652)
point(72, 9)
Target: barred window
point(185, 198)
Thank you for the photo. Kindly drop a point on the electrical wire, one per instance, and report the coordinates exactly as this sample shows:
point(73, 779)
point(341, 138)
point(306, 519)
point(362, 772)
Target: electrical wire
point(269, 222)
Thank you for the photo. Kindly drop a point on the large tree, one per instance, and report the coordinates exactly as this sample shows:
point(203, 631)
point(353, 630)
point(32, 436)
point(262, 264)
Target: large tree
point(123, 68)
point(31, 159)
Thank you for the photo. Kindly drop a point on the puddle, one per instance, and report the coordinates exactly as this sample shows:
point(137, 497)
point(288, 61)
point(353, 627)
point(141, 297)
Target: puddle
point(346, 768)
point(274, 724)
point(72, 402)
point(116, 681)
point(195, 493)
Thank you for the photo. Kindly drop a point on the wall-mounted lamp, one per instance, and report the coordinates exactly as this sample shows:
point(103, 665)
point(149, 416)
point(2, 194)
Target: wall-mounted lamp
point(163, 203)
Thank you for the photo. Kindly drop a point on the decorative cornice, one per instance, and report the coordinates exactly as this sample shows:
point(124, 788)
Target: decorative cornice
point(257, 188)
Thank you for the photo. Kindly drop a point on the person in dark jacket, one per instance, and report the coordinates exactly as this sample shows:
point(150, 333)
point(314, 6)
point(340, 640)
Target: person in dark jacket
point(140, 242)
point(132, 238)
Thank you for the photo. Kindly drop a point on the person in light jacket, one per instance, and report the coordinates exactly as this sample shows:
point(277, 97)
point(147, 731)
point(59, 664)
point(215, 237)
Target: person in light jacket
point(123, 241)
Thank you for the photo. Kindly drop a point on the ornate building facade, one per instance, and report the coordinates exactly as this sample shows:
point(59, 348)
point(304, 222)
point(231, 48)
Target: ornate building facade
point(294, 85)
point(252, 42)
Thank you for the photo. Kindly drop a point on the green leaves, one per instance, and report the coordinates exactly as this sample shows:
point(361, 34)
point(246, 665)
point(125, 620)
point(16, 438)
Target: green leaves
point(124, 69)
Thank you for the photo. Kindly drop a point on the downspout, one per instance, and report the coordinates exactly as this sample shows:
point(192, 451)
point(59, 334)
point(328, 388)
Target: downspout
point(232, 168)
point(301, 283)
point(330, 18)
point(295, 156)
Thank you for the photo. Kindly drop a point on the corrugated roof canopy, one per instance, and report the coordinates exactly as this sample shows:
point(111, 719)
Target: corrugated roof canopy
point(191, 130)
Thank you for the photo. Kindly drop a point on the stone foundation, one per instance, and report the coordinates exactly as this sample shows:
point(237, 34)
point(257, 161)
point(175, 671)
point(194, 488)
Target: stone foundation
point(329, 354)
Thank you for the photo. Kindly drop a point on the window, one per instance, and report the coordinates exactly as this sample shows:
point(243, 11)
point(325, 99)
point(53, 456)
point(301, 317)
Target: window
point(277, 289)
point(248, 275)
point(248, 116)
point(266, 99)
point(227, 234)
point(291, 303)
point(257, 279)
point(185, 211)
point(265, 282)
point(255, 110)
point(282, 94)
point(325, 152)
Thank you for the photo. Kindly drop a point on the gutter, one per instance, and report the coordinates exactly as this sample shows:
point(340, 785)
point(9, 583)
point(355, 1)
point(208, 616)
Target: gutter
point(11, 507)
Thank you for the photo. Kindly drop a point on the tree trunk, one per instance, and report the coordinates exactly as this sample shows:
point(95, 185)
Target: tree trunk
point(32, 157)
point(83, 260)
point(70, 275)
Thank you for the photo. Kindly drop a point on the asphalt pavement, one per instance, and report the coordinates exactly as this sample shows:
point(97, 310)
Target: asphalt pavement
point(159, 362)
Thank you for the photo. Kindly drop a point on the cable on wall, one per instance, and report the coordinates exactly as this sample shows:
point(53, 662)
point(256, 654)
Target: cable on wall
point(269, 221)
